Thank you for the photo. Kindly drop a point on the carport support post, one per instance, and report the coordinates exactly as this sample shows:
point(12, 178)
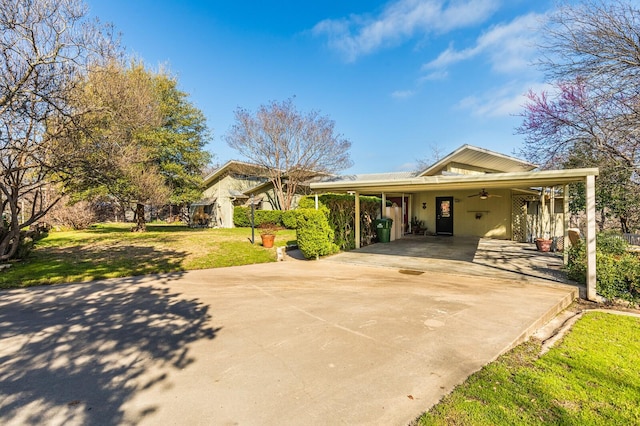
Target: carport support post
point(384, 204)
point(591, 237)
point(565, 220)
point(357, 219)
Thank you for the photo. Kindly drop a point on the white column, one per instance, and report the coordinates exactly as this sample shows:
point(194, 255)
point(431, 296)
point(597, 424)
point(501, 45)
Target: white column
point(384, 204)
point(552, 213)
point(591, 237)
point(357, 220)
point(565, 220)
point(404, 207)
point(410, 211)
point(543, 208)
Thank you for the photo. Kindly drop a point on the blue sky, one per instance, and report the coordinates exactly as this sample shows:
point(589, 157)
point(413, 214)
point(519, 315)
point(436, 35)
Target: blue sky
point(398, 77)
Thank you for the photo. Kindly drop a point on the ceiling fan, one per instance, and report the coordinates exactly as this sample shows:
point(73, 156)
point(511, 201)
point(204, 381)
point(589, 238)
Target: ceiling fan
point(484, 195)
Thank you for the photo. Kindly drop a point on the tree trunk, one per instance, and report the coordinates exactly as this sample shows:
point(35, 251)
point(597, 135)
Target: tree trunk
point(140, 224)
point(624, 225)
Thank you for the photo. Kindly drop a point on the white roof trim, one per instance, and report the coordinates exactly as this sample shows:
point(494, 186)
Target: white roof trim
point(455, 157)
point(493, 180)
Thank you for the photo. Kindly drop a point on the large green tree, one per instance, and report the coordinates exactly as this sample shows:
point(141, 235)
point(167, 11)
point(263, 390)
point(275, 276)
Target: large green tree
point(143, 140)
point(178, 144)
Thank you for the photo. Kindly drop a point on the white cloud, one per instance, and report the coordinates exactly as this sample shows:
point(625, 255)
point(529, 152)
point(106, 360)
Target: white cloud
point(500, 102)
point(436, 75)
point(403, 94)
point(509, 47)
point(402, 19)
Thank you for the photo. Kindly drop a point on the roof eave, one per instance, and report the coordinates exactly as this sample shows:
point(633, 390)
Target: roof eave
point(512, 179)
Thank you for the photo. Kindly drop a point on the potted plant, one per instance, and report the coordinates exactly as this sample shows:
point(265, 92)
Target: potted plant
point(268, 234)
point(416, 225)
point(543, 244)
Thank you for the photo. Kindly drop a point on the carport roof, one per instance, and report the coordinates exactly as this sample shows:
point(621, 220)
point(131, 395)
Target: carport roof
point(476, 181)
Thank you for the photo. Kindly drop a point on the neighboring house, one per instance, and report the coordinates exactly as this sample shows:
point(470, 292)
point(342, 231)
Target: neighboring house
point(236, 183)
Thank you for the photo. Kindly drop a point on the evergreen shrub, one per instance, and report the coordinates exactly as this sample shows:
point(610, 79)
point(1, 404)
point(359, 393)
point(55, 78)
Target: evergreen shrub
point(313, 233)
point(618, 271)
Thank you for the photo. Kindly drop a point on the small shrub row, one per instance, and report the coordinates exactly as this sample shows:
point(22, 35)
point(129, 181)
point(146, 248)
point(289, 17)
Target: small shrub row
point(242, 217)
point(618, 271)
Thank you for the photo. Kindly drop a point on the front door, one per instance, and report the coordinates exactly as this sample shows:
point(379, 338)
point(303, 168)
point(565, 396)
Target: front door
point(444, 215)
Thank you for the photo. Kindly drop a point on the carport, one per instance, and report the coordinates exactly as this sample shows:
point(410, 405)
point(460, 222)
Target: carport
point(445, 184)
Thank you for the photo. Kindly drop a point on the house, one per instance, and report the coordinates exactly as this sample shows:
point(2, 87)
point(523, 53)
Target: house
point(236, 183)
point(481, 193)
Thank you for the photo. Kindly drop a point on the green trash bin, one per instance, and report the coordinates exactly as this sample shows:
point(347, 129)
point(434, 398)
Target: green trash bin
point(383, 229)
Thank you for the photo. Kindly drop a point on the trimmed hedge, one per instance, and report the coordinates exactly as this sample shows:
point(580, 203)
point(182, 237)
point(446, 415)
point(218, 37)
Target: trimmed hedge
point(618, 270)
point(242, 217)
point(313, 233)
point(289, 219)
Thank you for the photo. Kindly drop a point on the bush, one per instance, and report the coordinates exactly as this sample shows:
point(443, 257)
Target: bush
point(242, 217)
point(340, 211)
point(75, 215)
point(611, 242)
point(271, 217)
point(314, 235)
point(577, 263)
point(28, 239)
point(289, 219)
point(618, 271)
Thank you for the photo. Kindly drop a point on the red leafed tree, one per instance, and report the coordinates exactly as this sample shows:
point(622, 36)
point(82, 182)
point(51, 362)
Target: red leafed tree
point(591, 115)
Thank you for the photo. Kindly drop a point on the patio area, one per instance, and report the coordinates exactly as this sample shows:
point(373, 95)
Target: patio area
point(490, 258)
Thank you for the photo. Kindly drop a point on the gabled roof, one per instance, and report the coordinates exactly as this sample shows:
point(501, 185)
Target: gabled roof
point(230, 166)
point(481, 158)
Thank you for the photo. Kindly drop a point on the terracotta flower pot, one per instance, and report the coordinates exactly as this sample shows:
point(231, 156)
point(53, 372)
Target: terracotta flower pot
point(543, 244)
point(267, 240)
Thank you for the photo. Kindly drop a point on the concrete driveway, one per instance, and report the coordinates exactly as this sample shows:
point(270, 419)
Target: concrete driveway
point(295, 342)
point(474, 256)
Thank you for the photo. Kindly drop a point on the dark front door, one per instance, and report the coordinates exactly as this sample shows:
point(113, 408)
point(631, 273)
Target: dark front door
point(444, 215)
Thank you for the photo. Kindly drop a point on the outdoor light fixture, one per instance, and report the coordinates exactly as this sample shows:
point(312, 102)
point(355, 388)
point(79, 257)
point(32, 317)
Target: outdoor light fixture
point(424, 206)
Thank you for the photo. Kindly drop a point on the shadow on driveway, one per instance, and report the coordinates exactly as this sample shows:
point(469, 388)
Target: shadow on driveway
point(75, 353)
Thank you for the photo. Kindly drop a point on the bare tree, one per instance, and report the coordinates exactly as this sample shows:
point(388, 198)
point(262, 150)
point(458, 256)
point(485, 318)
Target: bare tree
point(592, 58)
point(45, 45)
point(437, 152)
point(291, 146)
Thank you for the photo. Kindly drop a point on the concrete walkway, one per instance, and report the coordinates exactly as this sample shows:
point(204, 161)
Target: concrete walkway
point(292, 343)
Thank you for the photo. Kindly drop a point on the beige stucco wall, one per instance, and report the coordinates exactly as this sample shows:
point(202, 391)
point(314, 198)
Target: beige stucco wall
point(495, 212)
point(219, 189)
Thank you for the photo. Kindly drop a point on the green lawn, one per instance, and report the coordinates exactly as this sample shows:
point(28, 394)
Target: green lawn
point(591, 378)
point(111, 250)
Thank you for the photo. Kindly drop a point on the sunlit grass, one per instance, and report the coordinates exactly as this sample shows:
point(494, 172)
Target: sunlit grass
point(590, 378)
point(111, 250)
